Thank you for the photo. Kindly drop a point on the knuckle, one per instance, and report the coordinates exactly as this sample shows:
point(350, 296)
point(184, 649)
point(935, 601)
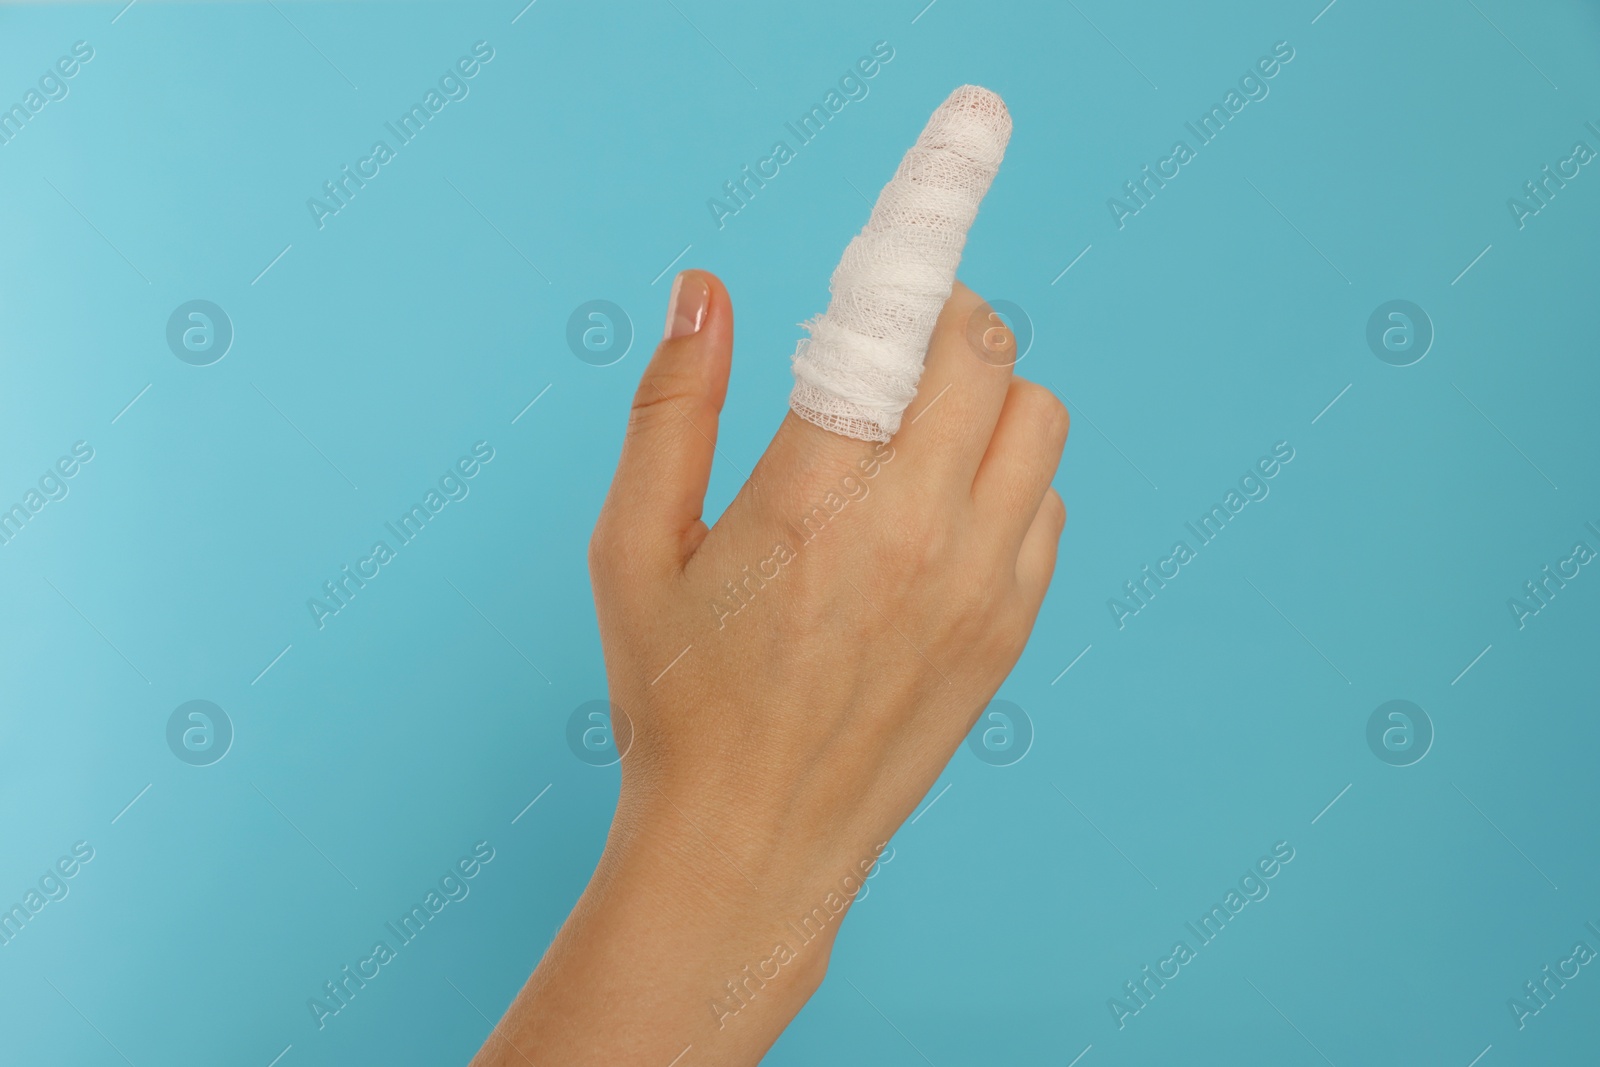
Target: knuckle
point(1045, 408)
point(962, 300)
point(961, 310)
point(668, 409)
point(664, 393)
point(1055, 508)
point(651, 404)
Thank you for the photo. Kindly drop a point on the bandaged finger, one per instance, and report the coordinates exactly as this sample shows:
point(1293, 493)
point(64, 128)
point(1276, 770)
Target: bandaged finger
point(858, 370)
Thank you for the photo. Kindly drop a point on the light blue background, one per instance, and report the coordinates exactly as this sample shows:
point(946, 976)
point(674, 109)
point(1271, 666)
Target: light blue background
point(1222, 319)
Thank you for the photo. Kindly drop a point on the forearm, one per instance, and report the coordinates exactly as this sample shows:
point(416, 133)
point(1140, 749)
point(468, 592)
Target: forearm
point(670, 946)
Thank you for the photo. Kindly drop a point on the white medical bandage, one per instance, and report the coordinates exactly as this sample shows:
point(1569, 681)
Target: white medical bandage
point(859, 369)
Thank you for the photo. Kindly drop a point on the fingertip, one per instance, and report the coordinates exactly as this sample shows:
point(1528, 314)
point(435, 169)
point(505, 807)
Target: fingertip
point(986, 104)
point(697, 302)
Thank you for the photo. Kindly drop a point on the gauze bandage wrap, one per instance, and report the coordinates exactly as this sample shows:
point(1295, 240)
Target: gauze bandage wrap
point(859, 368)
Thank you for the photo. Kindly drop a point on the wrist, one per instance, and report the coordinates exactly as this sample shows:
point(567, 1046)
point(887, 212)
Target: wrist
point(749, 898)
point(762, 863)
point(729, 961)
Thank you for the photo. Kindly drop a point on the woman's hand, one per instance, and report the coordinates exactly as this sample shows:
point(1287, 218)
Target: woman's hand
point(794, 679)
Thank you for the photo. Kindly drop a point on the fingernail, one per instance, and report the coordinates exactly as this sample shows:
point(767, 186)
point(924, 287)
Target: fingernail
point(687, 306)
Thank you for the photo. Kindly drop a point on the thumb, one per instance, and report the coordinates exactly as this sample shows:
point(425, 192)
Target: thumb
point(652, 513)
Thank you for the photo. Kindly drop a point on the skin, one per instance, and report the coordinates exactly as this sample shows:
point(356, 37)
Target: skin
point(770, 762)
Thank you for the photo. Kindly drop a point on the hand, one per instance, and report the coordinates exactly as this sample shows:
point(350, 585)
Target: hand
point(793, 680)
